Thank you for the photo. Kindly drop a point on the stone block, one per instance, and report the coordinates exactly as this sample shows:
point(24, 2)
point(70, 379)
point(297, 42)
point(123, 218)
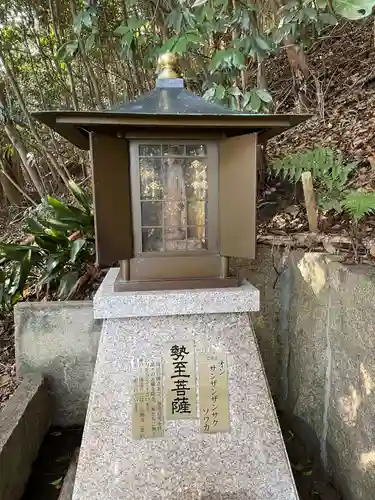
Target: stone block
point(60, 340)
point(249, 462)
point(109, 304)
point(332, 367)
point(24, 422)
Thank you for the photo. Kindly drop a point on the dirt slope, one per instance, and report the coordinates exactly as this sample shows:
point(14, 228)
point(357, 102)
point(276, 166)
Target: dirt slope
point(343, 61)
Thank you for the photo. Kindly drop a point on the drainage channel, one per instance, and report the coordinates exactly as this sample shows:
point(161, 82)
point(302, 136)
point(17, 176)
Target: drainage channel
point(53, 461)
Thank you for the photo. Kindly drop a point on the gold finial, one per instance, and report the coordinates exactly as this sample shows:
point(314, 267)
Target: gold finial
point(167, 65)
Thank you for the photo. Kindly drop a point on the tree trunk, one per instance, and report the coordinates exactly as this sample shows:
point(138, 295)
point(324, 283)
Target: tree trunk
point(13, 192)
point(300, 70)
point(19, 146)
point(9, 71)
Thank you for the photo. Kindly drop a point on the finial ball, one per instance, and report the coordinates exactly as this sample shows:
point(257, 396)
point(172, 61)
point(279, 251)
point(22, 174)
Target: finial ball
point(167, 59)
point(167, 66)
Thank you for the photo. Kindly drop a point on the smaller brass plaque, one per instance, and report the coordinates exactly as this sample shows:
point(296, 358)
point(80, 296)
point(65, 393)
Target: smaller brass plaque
point(213, 394)
point(180, 388)
point(147, 419)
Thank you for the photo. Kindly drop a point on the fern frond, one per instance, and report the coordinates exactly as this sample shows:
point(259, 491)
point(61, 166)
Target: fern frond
point(359, 203)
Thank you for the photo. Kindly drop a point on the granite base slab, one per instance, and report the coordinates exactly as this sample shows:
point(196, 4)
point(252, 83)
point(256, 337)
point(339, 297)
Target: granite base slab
point(247, 463)
point(109, 304)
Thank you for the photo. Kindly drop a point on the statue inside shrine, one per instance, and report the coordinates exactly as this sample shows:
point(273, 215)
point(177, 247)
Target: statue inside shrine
point(174, 195)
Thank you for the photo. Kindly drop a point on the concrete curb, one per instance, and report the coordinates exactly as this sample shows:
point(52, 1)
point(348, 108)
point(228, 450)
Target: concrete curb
point(60, 340)
point(24, 422)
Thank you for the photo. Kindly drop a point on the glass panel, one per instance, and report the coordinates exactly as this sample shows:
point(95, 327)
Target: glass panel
point(173, 150)
point(152, 213)
point(150, 150)
point(196, 211)
point(175, 187)
point(196, 238)
point(174, 213)
point(175, 239)
point(151, 179)
point(152, 240)
point(196, 179)
point(196, 150)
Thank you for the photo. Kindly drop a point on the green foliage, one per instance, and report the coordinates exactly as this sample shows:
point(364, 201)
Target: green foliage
point(329, 172)
point(359, 203)
point(299, 19)
point(63, 247)
point(353, 9)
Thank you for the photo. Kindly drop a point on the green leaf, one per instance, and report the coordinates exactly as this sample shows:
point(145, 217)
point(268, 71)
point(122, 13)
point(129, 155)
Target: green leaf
point(25, 267)
point(58, 483)
point(54, 261)
point(198, 3)
point(90, 42)
point(238, 60)
point(80, 196)
point(255, 102)
point(76, 247)
point(290, 17)
point(67, 51)
point(219, 57)
point(311, 13)
point(67, 284)
point(33, 226)
point(359, 203)
point(353, 9)
point(59, 207)
point(16, 298)
point(328, 18)
point(264, 95)
point(219, 93)
point(209, 94)
point(234, 91)
point(15, 252)
point(246, 99)
point(282, 32)
point(123, 29)
point(58, 225)
point(47, 243)
point(262, 43)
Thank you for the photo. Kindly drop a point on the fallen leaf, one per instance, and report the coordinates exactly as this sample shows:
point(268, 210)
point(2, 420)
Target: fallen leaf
point(307, 473)
point(55, 433)
point(58, 483)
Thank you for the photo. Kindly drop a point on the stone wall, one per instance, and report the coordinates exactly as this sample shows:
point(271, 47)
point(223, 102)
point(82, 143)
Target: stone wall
point(59, 339)
point(317, 336)
point(331, 372)
point(24, 422)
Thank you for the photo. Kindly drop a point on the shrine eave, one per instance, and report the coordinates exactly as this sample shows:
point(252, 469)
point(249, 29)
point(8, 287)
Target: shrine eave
point(76, 126)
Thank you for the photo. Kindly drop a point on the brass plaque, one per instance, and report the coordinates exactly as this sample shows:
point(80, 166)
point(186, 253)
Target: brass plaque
point(147, 421)
point(213, 394)
point(180, 389)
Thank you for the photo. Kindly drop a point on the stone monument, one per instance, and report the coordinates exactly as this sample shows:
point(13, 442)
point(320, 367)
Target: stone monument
point(179, 406)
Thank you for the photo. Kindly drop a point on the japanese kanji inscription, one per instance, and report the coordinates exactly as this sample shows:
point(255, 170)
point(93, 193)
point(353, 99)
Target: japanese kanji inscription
point(180, 390)
point(147, 421)
point(213, 394)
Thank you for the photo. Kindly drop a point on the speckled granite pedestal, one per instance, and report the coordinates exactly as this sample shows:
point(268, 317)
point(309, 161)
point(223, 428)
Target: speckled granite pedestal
point(248, 463)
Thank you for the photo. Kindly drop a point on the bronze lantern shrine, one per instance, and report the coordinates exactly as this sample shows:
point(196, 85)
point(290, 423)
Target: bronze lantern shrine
point(174, 183)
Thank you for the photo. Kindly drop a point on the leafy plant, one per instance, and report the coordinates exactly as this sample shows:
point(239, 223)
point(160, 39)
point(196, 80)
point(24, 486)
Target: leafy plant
point(329, 172)
point(62, 251)
point(358, 204)
point(353, 9)
point(299, 18)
